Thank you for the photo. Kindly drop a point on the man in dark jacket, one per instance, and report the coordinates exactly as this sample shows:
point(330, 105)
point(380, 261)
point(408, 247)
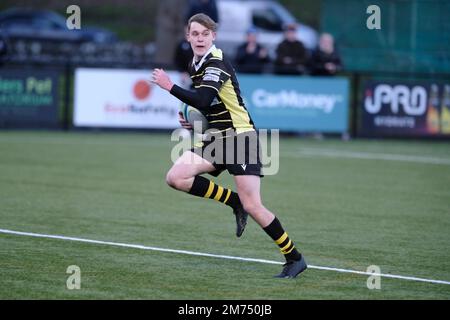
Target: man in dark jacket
point(291, 53)
point(251, 57)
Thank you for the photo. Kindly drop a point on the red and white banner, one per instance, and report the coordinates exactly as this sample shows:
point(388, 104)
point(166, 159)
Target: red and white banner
point(121, 98)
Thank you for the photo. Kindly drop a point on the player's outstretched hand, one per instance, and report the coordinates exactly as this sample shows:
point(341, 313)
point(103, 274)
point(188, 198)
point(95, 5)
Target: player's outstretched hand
point(183, 122)
point(160, 77)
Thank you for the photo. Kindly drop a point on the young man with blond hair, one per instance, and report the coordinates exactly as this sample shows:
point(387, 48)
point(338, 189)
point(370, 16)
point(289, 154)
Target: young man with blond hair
point(217, 95)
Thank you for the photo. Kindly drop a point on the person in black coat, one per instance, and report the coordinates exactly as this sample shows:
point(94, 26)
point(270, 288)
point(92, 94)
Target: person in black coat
point(291, 54)
point(325, 61)
point(183, 55)
point(251, 57)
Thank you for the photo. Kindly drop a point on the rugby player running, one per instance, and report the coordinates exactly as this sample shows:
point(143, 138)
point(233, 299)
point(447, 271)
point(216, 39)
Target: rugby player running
point(216, 94)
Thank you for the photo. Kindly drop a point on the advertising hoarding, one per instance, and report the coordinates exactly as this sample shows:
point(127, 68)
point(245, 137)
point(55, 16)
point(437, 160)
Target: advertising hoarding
point(297, 104)
point(405, 108)
point(29, 98)
point(118, 98)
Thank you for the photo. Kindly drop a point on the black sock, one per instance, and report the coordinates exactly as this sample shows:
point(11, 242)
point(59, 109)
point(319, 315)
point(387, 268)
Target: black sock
point(202, 187)
point(281, 238)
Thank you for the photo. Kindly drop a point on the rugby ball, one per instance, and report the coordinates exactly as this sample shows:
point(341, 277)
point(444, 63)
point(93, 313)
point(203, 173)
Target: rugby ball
point(195, 118)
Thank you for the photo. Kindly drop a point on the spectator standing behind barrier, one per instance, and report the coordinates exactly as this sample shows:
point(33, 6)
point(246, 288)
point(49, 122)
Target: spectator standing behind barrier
point(183, 58)
point(325, 60)
point(208, 7)
point(183, 55)
point(291, 55)
point(251, 57)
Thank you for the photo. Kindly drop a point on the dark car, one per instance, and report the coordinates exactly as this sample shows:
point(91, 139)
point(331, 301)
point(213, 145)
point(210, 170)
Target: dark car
point(44, 25)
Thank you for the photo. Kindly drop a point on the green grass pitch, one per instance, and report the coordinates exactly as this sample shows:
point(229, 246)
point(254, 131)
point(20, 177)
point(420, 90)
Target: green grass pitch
point(342, 210)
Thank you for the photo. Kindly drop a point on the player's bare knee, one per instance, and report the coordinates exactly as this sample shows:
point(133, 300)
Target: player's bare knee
point(252, 208)
point(172, 179)
point(178, 180)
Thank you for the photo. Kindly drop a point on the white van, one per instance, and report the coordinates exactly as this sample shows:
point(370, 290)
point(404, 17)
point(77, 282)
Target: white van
point(267, 16)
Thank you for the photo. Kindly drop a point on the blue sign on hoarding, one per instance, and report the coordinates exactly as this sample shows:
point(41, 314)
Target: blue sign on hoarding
point(295, 104)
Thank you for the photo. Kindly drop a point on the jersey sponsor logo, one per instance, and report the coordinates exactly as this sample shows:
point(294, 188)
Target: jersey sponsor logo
point(212, 74)
point(213, 71)
point(211, 77)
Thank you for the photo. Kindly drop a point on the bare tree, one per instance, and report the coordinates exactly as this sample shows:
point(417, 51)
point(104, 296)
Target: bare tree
point(170, 23)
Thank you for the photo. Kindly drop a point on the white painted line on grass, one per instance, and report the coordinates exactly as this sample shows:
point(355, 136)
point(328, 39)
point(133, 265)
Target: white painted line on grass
point(330, 153)
point(193, 253)
point(83, 141)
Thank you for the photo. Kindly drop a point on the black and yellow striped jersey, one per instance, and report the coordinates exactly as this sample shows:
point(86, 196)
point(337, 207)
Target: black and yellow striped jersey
point(227, 110)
